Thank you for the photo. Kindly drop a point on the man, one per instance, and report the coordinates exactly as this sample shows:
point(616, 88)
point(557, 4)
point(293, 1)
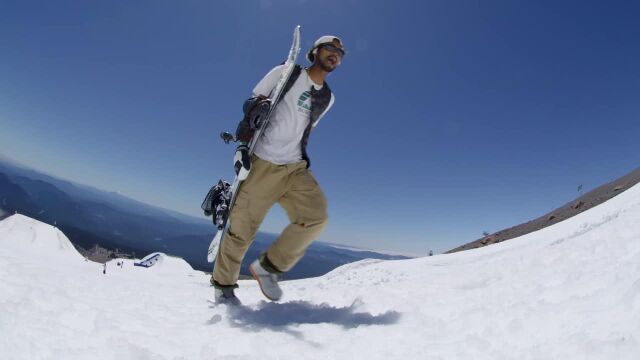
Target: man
point(278, 172)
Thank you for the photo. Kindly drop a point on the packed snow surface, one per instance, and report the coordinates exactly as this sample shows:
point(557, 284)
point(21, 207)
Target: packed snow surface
point(570, 291)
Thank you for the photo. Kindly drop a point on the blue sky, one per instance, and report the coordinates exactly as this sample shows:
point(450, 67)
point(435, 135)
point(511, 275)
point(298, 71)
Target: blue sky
point(451, 118)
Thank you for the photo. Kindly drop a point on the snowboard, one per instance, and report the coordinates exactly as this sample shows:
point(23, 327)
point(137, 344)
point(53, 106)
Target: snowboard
point(223, 223)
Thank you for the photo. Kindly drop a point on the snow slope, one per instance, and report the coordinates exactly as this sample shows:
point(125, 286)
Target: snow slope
point(570, 291)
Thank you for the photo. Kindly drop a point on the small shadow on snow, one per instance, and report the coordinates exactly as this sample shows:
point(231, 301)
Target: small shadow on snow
point(278, 315)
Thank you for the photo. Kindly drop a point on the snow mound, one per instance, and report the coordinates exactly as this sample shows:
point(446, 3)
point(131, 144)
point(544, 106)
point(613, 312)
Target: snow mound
point(35, 239)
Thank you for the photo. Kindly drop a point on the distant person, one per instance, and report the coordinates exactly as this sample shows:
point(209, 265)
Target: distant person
point(279, 173)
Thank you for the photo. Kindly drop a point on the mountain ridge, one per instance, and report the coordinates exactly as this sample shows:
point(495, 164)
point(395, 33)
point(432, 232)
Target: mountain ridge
point(570, 209)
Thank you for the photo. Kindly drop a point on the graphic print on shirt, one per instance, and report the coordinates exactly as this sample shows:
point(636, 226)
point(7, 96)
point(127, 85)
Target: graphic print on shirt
point(304, 103)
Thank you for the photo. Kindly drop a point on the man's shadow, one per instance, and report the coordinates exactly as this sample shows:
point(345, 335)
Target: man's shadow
point(277, 316)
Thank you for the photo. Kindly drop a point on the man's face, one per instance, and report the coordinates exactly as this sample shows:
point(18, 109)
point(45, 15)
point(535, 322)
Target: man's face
point(329, 56)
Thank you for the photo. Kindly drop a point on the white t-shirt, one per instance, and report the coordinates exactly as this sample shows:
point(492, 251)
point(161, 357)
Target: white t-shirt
point(280, 141)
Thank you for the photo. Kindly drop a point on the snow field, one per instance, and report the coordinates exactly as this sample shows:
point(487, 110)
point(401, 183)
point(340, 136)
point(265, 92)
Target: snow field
point(570, 291)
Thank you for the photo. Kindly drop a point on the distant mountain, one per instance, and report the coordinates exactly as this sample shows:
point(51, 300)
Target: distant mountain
point(14, 198)
point(88, 193)
point(91, 217)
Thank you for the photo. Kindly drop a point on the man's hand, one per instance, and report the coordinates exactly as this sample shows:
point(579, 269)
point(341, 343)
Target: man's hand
point(255, 110)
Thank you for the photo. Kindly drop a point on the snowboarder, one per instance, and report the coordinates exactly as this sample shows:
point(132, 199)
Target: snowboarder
point(278, 172)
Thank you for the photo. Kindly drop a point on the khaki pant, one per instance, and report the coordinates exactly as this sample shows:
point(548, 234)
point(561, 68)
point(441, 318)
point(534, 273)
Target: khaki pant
point(295, 189)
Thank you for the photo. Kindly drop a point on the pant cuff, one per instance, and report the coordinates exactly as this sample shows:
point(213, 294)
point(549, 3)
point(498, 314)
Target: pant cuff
point(217, 285)
point(268, 265)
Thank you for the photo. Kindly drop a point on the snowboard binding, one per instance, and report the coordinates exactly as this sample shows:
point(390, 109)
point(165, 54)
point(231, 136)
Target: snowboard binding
point(216, 203)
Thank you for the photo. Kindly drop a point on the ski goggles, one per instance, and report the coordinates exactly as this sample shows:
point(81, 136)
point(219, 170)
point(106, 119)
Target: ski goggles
point(334, 49)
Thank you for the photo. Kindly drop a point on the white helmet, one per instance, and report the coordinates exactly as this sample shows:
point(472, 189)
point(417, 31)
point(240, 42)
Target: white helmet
point(327, 39)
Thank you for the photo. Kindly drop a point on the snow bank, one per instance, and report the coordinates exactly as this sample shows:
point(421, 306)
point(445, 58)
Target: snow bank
point(570, 291)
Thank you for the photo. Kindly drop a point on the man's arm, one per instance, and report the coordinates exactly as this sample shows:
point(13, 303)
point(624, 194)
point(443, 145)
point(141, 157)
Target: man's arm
point(268, 82)
point(255, 108)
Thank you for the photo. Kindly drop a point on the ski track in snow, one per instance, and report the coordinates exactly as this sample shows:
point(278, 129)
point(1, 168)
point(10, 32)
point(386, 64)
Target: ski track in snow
point(569, 291)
